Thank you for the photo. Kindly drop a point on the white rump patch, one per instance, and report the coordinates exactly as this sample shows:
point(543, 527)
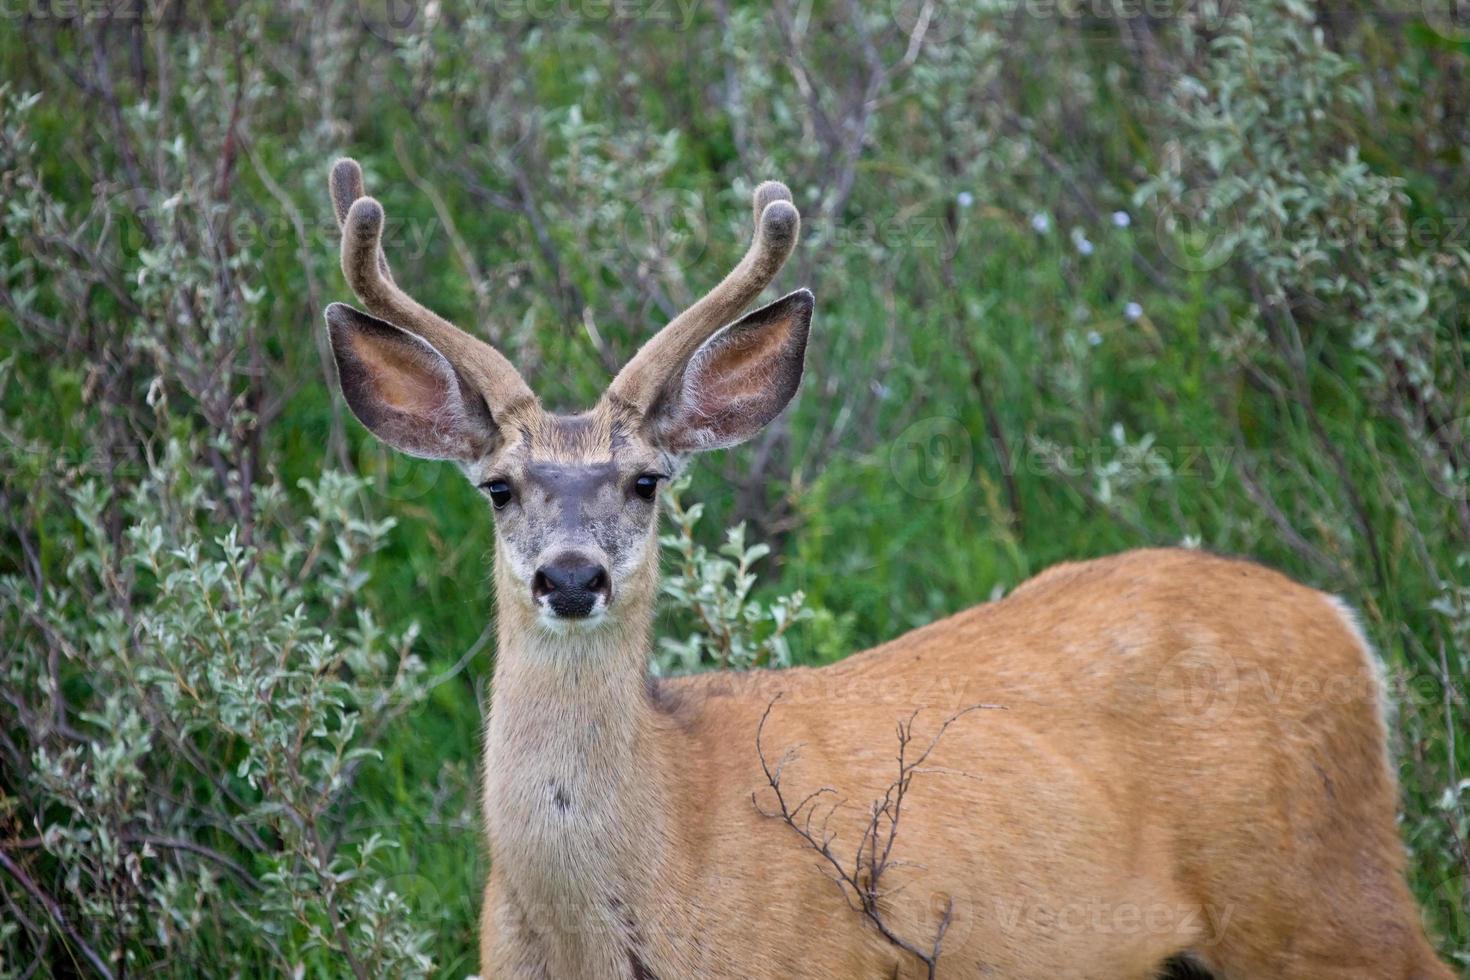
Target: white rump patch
point(1376, 667)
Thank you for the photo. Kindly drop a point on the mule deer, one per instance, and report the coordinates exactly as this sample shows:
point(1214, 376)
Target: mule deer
point(1190, 763)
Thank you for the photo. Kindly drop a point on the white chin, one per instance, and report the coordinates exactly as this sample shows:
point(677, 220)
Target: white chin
point(553, 623)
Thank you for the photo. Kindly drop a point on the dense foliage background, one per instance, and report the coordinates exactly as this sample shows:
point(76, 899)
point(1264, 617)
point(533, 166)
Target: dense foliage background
point(1090, 275)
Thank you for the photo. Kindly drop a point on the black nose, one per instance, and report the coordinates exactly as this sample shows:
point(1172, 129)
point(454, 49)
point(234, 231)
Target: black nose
point(570, 584)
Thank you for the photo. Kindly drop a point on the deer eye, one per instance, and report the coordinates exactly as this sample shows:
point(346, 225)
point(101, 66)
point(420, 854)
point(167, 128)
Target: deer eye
point(499, 491)
point(646, 485)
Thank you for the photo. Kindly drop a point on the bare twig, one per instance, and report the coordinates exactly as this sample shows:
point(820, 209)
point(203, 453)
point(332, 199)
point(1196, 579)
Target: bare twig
point(861, 883)
point(53, 909)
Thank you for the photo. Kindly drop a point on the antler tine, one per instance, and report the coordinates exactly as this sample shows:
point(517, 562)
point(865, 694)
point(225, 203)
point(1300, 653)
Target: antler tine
point(366, 267)
point(777, 226)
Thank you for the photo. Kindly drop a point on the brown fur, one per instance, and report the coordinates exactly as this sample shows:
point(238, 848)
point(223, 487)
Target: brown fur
point(1189, 766)
point(1099, 825)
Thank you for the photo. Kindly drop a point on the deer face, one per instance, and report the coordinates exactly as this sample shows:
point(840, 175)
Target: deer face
point(574, 497)
point(575, 500)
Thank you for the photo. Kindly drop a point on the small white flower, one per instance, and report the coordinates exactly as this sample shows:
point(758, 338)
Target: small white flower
point(965, 199)
point(1083, 245)
point(1041, 223)
point(1132, 311)
point(1093, 338)
point(1121, 219)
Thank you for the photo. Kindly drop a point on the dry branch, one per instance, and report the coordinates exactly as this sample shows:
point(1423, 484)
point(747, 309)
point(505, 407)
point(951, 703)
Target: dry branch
point(861, 882)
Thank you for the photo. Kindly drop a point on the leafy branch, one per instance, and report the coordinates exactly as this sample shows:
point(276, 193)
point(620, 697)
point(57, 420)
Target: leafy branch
point(731, 628)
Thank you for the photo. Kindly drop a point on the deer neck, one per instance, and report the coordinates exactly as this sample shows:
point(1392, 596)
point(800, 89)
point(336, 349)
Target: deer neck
point(575, 785)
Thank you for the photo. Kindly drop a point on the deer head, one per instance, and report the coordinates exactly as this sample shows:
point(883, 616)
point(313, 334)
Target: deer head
point(574, 496)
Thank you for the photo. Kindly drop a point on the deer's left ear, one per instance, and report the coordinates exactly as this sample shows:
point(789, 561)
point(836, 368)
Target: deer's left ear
point(737, 381)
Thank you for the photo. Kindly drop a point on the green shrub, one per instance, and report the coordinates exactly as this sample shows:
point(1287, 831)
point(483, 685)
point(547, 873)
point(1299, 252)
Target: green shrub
point(1086, 280)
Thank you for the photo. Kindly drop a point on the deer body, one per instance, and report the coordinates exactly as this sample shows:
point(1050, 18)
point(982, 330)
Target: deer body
point(1112, 816)
point(1156, 755)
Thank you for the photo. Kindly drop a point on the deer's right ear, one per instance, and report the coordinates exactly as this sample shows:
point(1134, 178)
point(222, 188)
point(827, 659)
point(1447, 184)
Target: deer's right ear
point(404, 391)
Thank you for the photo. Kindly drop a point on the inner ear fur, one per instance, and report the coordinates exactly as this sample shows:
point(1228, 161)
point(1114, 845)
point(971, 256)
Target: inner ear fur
point(404, 391)
point(737, 381)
